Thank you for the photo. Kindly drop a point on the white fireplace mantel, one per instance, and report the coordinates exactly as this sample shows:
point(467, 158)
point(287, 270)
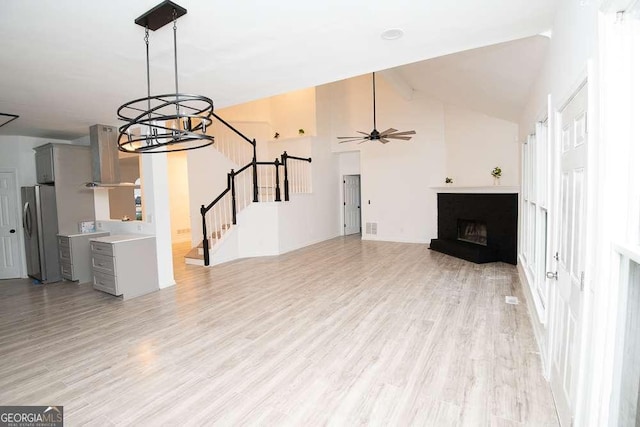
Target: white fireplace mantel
point(498, 189)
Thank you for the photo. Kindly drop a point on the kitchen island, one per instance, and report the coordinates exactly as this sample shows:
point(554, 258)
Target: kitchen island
point(125, 264)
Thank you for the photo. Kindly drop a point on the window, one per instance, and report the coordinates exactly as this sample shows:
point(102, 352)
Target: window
point(533, 234)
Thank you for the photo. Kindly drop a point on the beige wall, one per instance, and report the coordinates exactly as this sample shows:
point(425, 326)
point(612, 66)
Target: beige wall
point(179, 197)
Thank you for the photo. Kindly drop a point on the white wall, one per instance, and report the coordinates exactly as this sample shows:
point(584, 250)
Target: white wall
point(349, 163)
point(476, 143)
point(155, 176)
point(573, 43)
point(258, 230)
point(396, 177)
point(536, 105)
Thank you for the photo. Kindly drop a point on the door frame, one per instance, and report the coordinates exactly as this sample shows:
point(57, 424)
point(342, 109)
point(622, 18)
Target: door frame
point(21, 255)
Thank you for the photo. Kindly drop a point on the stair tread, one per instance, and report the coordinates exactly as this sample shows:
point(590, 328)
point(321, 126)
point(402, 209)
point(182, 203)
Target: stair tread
point(193, 253)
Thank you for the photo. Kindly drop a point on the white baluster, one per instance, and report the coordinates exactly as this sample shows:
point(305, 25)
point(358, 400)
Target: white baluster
point(226, 206)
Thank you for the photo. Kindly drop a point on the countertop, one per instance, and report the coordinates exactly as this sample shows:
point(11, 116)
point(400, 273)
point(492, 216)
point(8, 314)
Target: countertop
point(82, 234)
point(122, 238)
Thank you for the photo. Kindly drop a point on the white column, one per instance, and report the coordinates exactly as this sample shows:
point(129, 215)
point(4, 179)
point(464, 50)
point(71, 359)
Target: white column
point(155, 196)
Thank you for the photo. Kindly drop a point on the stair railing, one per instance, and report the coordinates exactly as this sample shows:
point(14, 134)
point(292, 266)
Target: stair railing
point(300, 175)
point(235, 196)
point(269, 179)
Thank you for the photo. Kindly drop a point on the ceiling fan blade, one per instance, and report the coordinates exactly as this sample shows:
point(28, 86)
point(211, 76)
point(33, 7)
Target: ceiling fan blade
point(404, 138)
point(384, 141)
point(388, 131)
point(348, 137)
point(351, 140)
point(364, 133)
point(407, 132)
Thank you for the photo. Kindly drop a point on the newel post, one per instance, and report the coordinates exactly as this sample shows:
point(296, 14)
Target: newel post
point(205, 240)
point(277, 165)
point(286, 176)
point(255, 173)
point(232, 184)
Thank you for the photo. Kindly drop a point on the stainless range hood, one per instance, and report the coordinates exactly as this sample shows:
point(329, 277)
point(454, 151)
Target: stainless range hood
point(104, 158)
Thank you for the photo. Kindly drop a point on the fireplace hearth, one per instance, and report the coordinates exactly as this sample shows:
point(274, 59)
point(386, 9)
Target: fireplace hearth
point(478, 227)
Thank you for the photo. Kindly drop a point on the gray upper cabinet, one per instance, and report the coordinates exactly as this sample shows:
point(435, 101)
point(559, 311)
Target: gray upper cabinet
point(44, 164)
point(68, 167)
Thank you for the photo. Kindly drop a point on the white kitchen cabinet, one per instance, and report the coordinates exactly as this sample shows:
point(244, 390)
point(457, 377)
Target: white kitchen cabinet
point(75, 255)
point(125, 265)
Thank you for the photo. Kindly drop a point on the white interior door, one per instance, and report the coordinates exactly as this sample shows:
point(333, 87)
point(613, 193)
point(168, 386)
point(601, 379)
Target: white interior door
point(567, 290)
point(351, 204)
point(9, 241)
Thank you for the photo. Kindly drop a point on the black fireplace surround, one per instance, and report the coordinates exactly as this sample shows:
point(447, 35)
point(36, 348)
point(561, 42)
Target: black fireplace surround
point(498, 211)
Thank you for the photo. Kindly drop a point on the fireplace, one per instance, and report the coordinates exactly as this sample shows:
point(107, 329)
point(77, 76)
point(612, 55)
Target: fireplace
point(478, 227)
point(472, 231)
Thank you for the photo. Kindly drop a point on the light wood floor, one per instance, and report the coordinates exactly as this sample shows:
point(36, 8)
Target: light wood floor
point(343, 332)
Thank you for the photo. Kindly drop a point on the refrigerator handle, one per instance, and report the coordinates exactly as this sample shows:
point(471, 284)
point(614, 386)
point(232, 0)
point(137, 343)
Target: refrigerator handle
point(26, 218)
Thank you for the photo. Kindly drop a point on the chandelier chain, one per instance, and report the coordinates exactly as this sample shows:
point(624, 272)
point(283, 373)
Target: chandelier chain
point(146, 42)
point(175, 58)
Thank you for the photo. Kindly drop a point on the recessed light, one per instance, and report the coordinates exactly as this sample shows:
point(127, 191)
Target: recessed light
point(392, 34)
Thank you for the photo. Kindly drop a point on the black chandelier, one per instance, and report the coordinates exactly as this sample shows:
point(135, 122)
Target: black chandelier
point(164, 123)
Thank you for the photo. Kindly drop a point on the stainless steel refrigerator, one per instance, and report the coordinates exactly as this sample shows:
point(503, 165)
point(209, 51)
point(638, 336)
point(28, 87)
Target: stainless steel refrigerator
point(40, 224)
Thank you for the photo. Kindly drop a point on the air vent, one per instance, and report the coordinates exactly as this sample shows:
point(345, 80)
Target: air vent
point(372, 228)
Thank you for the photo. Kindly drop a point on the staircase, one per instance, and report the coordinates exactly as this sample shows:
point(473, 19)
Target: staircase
point(253, 182)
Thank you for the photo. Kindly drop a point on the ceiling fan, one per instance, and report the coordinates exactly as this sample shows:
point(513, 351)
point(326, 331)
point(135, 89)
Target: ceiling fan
point(383, 137)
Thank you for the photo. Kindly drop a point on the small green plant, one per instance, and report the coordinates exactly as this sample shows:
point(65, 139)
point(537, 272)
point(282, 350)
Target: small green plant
point(448, 180)
point(300, 131)
point(496, 172)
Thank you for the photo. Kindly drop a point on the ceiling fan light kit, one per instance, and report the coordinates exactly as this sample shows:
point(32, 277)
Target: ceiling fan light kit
point(375, 135)
point(170, 122)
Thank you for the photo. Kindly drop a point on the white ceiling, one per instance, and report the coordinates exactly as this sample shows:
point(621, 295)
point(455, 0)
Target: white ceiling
point(495, 80)
point(67, 64)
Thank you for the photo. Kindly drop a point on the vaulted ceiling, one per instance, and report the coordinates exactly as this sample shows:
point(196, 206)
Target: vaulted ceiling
point(495, 80)
point(67, 64)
